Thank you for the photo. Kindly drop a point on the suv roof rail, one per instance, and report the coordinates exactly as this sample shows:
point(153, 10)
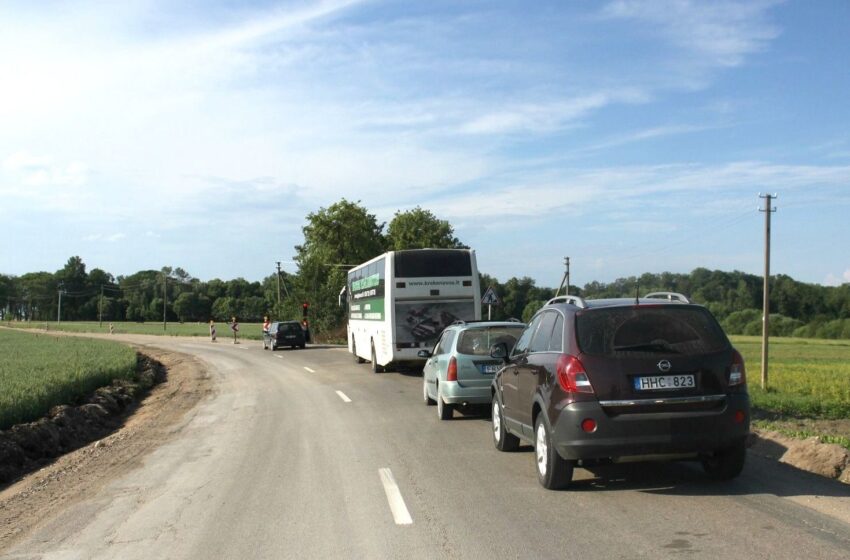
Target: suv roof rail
point(458, 322)
point(513, 320)
point(574, 300)
point(671, 296)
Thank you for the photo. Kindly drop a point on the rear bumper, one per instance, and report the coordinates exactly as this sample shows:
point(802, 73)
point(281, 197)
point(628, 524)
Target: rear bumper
point(649, 433)
point(456, 393)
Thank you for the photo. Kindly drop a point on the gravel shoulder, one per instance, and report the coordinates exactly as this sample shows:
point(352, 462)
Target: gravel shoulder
point(70, 478)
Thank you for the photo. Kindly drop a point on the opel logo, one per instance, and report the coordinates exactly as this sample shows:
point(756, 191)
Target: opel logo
point(664, 365)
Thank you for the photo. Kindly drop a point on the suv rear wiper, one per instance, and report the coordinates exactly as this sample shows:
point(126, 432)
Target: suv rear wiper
point(649, 347)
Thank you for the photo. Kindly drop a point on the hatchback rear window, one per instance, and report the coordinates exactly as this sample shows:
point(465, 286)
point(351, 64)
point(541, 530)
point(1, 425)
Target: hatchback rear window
point(477, 342)
point(666, 330)
point(289, 328)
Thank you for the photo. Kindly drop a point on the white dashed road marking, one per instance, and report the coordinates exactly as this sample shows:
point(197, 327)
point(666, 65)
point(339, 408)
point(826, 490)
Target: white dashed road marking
point(310, 370)
point(397, 506)
point(343, 396)
point(279, 357)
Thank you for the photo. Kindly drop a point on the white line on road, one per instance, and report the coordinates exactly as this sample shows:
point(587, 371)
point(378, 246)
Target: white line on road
point(343, 396)
point(400, 513)
point(310, 370)
point(279, 357)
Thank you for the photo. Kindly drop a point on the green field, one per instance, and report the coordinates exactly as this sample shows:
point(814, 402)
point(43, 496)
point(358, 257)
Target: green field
point(252, 331)
point(807, 378)
point(39, 371)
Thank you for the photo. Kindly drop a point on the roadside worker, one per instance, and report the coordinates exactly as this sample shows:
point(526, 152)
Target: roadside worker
point(266, 326)
point(234, 326)
point(212, 330)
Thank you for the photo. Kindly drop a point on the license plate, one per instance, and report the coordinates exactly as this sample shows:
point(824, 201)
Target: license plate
point(664, 382)
point(490, 368)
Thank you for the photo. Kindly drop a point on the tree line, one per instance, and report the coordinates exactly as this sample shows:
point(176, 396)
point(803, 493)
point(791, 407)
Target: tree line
point(346, 234)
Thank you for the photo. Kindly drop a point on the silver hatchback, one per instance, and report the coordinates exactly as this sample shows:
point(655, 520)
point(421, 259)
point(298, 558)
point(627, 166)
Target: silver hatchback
point(459, 371)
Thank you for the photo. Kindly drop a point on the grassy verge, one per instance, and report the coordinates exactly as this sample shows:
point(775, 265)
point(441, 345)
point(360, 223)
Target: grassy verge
point(39, 371)
point(808, 392)
point(251, 331)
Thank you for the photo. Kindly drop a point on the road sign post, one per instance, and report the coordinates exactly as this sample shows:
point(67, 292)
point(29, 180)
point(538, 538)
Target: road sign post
point(490, 298)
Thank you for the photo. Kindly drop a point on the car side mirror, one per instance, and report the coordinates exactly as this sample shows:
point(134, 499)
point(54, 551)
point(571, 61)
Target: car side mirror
point(424, 353)
point(499, 351)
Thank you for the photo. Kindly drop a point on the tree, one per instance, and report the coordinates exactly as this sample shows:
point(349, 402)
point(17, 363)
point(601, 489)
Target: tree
point(336, 237)
point(420, 229)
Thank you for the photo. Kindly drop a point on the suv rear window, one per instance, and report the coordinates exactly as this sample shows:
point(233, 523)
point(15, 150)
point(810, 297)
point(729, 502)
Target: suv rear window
point(666, 329)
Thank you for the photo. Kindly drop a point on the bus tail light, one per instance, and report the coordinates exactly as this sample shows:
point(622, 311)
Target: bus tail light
point(451, 374)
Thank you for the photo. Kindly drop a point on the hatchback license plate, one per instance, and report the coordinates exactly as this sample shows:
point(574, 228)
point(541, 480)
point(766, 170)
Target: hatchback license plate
point(662, 382)
point(490, 368)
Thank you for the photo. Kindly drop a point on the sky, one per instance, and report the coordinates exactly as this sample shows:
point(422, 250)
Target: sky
point(631, 136)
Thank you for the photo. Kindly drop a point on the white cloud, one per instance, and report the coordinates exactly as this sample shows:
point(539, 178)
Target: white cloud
point(835, 280)
point(722, 32)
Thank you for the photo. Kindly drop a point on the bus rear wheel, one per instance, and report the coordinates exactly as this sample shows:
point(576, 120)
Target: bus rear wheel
point(357, 359)
point(375, 367)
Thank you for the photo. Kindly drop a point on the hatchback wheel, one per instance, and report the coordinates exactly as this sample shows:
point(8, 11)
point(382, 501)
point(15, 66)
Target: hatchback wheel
point(428, 400)
point(726, 464)
point(553, 471)
point(504, 441)
point(444, 410)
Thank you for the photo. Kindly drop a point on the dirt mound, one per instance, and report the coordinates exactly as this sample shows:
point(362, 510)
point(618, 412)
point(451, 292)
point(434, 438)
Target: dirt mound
point(25, 447)
point(825, 459)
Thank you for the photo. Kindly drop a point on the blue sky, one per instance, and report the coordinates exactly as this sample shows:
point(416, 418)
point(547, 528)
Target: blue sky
point(630, 136)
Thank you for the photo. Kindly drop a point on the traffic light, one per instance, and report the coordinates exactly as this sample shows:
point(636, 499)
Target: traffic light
point(305, 307)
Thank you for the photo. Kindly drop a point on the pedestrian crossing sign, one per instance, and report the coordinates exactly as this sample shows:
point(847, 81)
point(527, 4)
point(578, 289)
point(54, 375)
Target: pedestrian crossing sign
point(490, 297)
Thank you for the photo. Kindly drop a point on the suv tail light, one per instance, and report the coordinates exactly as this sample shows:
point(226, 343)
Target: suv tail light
point(571, 375)
point(737, 371)
point(451, 373)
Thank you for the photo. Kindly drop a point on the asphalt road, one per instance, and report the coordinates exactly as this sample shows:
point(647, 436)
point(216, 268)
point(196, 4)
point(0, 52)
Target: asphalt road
point(304, 454)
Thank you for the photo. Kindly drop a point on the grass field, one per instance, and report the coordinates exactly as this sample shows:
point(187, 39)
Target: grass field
point(39, 371)
point(251, 331)
point(807, 378)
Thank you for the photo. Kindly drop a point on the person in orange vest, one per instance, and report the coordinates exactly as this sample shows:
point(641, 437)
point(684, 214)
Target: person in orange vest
point(266, 326)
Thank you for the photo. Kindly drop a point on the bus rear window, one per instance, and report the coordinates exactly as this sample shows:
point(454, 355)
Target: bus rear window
point(432, 263)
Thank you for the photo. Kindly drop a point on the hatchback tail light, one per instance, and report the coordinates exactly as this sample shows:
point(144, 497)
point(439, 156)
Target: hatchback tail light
point(451, 373)
point(571, 375)
point(737, 371)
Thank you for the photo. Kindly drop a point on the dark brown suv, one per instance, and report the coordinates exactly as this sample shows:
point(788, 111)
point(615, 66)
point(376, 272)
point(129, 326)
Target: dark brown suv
point(595, 381)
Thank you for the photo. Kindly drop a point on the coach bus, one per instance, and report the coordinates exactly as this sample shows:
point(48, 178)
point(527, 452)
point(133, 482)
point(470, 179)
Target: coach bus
point(399, 303)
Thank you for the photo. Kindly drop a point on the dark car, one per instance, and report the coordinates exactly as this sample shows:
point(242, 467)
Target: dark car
point(593, 381)
point(284, 333)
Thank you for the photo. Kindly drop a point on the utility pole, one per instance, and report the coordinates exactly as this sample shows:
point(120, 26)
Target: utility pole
point(768, 210)
point(278, 284)
point(164, 301)
point(59, 311)
point(565, 279)
point(100, 307)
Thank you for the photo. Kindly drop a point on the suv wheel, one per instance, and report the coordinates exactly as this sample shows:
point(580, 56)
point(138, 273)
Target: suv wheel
point(444, 410)
point(553, 471)
point(503, 440)
point(428, 400)
point(726, 464)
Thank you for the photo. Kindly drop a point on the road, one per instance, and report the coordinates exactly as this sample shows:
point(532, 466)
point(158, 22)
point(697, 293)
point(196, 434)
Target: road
point(304, 454)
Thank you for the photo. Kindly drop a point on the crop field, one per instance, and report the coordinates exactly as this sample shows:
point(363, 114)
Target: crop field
point(807, 378)
point(251, 331)
point(39, 371)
